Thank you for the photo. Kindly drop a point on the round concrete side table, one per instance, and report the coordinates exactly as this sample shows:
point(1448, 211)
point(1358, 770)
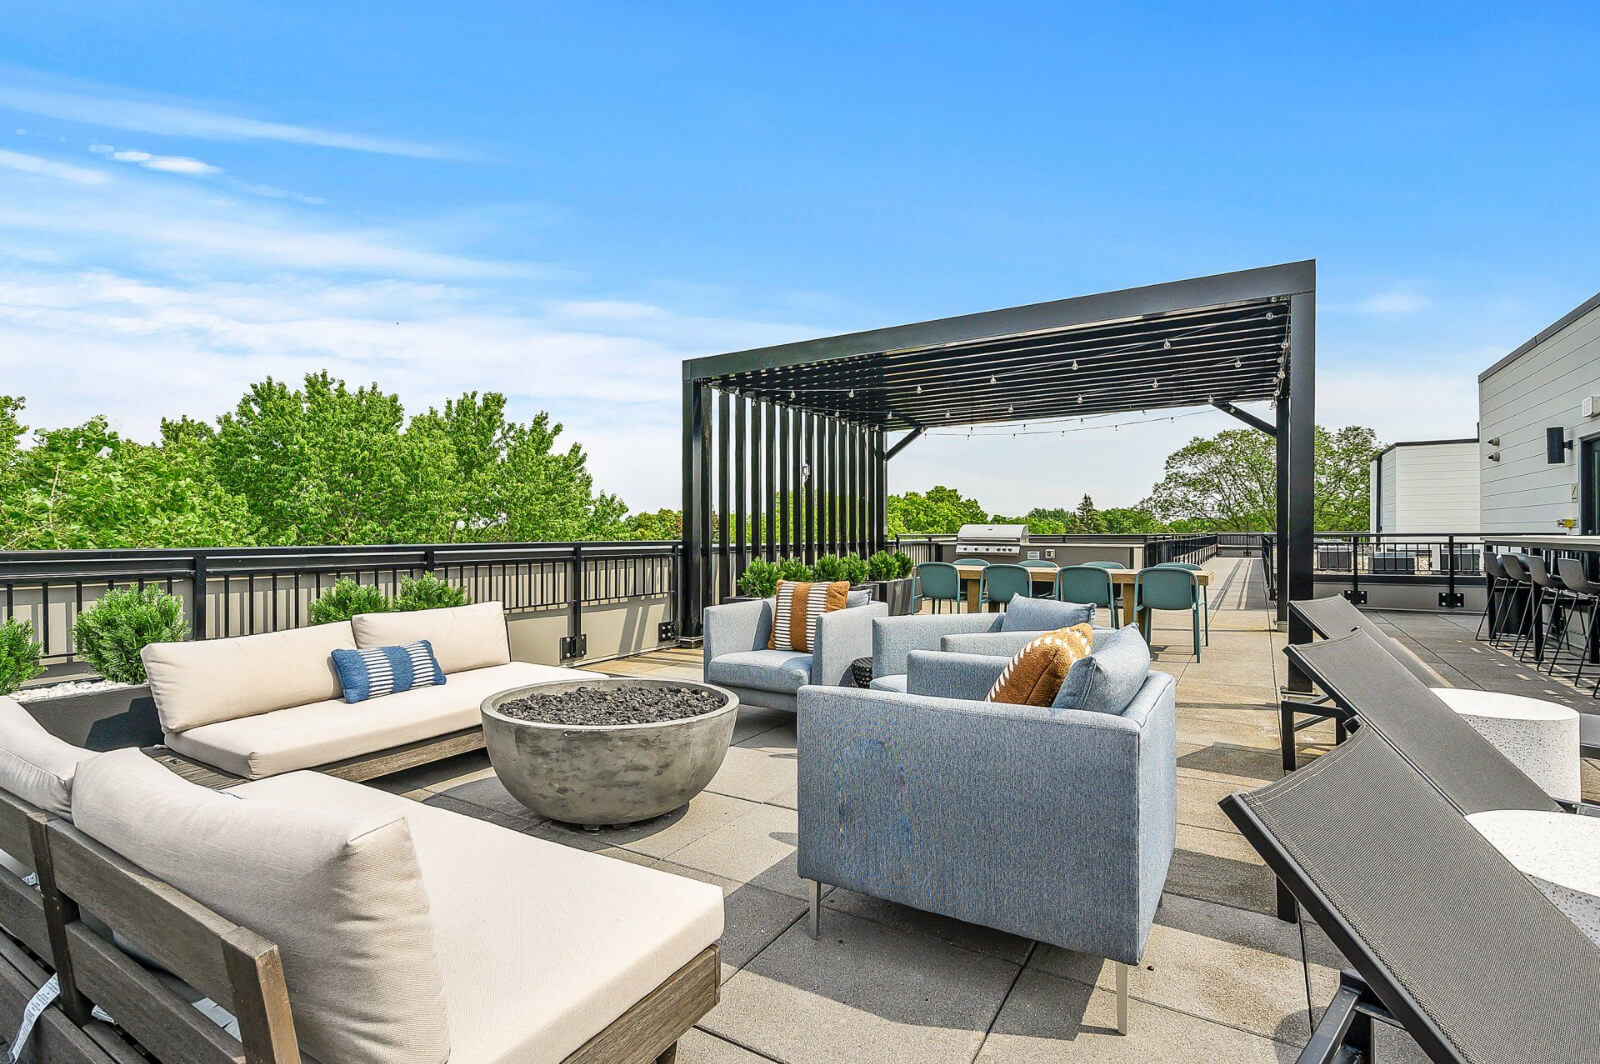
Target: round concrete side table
point(1539, 737)
point(1560, 852)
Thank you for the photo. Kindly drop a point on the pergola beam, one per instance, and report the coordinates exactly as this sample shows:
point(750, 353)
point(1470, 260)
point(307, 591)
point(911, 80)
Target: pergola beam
point(903, 443)
point(1248, 418)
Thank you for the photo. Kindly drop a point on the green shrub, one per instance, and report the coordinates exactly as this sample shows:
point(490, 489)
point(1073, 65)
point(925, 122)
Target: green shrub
point(19, 655)
point(830, 567)
point(882, 566)
point(760, 580)
point(344, 600)
point(796, 570)
point(110, 634)
point(855, 569)
point(904, 566)
point(427, 592)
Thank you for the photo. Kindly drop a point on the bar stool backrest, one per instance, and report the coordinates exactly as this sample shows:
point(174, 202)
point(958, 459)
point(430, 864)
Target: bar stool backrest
point(1492, 566)
point(1539, 573)
point(1516, 570)
point(938, 580)
point(1574, 577)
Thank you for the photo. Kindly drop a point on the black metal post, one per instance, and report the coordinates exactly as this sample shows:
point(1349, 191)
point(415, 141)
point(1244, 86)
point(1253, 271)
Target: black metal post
point(738, 558)
point(198, 583)
point(1302, 464)
point(808, 478)
point(785, 501)
point(769, 502)
point(723, 554)
point(694, 575)
point(1280, 541)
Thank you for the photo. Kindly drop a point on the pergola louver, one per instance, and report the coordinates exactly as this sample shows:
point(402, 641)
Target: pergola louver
point(1221, 340)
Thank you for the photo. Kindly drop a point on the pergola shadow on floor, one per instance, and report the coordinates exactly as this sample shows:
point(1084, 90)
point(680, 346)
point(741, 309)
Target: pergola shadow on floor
point(786, 448)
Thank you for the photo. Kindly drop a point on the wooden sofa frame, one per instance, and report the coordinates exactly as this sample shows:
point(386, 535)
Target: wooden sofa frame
point(232, 965)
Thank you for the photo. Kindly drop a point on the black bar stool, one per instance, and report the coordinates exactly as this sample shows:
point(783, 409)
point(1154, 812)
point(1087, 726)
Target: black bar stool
point(1545, 587)
point(1497, 584)
point(1518, 583)
point(1585, 594)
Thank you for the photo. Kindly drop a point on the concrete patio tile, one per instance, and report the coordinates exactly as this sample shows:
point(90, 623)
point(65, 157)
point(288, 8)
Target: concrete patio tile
point(1227, 697)
point(522, 820)
point(757, 774)
point(1219, 866)
point(1049, 1020)
point(755, 720)
point(1235, 730)
point(484, 789)
point(698, 1047)
point(435, 775)
point(863, 993)
point(753, 917)
point(664, 834)
point(1215, 962)
point(1197, 803)
point(904, 918)
point(1244, 766)
point(758, 848)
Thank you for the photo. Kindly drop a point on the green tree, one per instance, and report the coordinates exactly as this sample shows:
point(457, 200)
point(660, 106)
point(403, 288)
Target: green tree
point(1228, 482)
point(940, 511)
point(662, 524)
point(1131, 520)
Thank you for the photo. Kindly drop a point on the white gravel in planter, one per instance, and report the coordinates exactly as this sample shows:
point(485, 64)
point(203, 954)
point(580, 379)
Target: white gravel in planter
point(70, 687)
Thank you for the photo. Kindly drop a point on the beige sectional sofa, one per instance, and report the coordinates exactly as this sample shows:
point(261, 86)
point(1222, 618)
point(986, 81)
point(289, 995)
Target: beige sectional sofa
point(340, 923)
point(260, 705)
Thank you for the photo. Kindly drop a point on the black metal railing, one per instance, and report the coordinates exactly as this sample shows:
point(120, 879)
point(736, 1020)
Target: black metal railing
point(247, 591)
point(1192, 549)
point(1168, 547)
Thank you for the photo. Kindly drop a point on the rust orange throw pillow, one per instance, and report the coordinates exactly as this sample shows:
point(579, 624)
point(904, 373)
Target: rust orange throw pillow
point(1035, 674)
point(794, 617)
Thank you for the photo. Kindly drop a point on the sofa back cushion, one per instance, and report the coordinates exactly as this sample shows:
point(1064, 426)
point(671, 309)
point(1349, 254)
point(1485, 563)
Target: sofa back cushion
point(340, 894)
point(462, 637)
point(34, 765)
point(223, 679)
point(1107, 680)
point(1044, 615)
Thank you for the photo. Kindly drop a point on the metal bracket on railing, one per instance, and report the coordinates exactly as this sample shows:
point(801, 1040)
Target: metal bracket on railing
point(1356, 597)
point(1451, 600)
point(574, 647)
point(666, 632)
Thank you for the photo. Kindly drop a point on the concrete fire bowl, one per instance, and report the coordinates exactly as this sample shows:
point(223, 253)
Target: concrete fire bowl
point(606, 774)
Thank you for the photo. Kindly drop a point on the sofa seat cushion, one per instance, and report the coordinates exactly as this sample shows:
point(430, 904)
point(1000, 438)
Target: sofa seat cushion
point(889, 683)
point(209, 680)
point(783, 671)
point(34, 765)
point(338, 888)
point(462, 637)
point(324, 732)
point(541, 945)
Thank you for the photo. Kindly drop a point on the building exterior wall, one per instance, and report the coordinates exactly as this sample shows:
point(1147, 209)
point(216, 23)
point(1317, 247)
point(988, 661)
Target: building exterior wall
point(1541, 385)
point(1426, 487)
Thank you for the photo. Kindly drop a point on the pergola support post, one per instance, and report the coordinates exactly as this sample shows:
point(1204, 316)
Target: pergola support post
point(694, 575)
point(1302, 466)
point(1280, 542)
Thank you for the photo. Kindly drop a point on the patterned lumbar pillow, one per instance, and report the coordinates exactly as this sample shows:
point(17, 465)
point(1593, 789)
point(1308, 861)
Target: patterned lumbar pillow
point(379, 671)
point(799, 607)
point(1035, 673)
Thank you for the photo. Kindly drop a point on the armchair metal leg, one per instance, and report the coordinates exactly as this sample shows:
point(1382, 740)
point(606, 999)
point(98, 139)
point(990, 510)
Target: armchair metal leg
point(1122, 997)
point(814, 894)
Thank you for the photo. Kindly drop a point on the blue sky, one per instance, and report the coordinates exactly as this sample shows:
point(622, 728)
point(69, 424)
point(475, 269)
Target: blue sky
point(561, 203)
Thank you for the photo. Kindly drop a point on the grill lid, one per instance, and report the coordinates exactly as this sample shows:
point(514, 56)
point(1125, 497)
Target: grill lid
point(992, 534)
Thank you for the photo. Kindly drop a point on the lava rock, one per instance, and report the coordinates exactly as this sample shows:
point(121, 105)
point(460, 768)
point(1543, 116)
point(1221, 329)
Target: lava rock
point(598, 705)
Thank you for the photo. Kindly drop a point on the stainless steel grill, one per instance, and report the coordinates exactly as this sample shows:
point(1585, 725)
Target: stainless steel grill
point(997, 543)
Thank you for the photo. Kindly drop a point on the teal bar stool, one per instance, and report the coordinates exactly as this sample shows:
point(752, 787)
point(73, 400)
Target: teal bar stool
point(937, 582)
point(1003, 582)
point(1087, 583)
point(1038, 565)
point(1163, 587)
point(1205, 592)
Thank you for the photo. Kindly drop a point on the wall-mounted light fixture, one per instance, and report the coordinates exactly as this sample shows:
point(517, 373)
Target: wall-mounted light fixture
point(1493, 441)
point(1494, 456)
point(1556, 445)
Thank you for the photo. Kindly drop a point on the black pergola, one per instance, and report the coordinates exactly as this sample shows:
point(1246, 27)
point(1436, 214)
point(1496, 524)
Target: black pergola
point(785, 448)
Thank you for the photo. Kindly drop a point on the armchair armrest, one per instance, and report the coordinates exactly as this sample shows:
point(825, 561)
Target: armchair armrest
point(842, 637)
point(964, 676)
point(735, 626)
point(1053, 825)
point(893, 638)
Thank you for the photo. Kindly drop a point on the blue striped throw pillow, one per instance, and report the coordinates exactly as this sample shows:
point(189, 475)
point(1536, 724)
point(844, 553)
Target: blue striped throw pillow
point(380, 671)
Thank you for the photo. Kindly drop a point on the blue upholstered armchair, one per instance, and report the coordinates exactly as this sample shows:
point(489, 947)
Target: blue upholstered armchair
point(1002, 634)
point(1054, 824)
point(735, 655)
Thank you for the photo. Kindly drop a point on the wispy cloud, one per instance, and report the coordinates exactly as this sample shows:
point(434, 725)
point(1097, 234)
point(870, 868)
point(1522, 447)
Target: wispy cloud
point(33, 164)
point(169, 164)
point(111, 109)
point(1393, 301)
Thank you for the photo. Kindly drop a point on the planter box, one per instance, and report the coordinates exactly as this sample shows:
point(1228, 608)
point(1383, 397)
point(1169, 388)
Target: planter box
point(897, 593)
point(101, 720)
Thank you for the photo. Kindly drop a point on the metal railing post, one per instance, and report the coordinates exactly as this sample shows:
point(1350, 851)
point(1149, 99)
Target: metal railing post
point(1355, 571)
point(1452, 601)
point(199, 590)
